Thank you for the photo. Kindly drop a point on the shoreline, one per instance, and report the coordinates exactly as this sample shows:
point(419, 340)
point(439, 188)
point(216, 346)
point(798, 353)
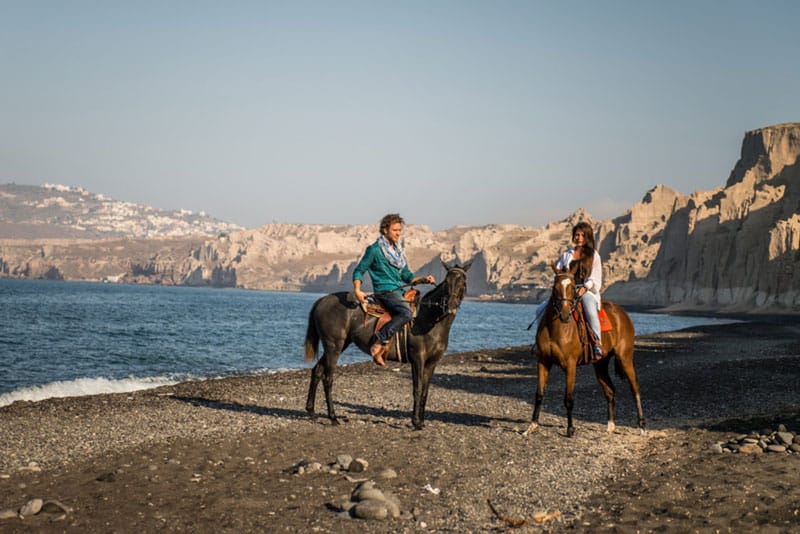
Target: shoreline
point(82, 386)
point(222, 455)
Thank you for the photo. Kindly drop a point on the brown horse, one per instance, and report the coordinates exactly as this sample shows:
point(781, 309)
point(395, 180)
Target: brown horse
point(559, 342)
point(337, 320)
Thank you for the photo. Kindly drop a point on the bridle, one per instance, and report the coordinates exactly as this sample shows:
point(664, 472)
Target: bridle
point(442, 302)
point(557, 301)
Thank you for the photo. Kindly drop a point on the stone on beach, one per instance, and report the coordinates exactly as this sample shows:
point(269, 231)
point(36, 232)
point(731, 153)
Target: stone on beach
point(32, 507)
point(766, 440)
point(8, 514)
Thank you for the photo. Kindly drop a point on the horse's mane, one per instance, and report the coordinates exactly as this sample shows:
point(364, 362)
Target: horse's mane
point(435, 292)
point(433, 304)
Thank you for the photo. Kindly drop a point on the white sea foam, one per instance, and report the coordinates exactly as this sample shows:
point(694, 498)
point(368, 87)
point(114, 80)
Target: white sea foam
point(84, 386)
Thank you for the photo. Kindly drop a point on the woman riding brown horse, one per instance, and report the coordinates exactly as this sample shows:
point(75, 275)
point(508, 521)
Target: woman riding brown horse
point(560, 342)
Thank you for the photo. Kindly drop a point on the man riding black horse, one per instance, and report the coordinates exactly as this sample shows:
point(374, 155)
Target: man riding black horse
point(386, 263)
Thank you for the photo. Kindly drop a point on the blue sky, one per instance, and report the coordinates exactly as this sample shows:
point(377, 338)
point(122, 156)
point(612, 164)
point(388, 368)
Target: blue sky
point(450, 112)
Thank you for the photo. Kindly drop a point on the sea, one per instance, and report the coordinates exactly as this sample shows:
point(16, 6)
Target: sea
point(60, 339)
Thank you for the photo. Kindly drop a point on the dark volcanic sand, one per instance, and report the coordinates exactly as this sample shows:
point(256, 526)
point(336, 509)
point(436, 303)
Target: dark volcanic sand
point(219, 455)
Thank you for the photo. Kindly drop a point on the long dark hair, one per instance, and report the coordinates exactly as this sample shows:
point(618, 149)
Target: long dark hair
point(583, 267)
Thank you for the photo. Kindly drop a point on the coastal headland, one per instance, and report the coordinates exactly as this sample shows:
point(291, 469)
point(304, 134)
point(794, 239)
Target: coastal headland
point(240, 454)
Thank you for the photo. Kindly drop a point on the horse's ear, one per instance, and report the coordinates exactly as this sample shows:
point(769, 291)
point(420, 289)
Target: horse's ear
point(467, 265)
point(555, 269)
point(446, 267)
point(574, 265)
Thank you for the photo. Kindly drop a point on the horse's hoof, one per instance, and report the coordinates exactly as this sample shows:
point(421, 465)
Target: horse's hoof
point(531, 428)
point(312, 415)
point(611, 427)
point(335, 422)
point(570, 432)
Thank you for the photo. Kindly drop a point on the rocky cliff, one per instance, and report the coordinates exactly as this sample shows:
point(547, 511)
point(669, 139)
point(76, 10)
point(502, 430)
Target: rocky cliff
point(734, 248)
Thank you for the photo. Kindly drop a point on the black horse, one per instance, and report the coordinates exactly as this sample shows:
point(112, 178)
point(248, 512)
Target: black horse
point(338, 320)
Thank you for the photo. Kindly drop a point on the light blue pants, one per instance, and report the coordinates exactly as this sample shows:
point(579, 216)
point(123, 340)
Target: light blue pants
point(591, 309)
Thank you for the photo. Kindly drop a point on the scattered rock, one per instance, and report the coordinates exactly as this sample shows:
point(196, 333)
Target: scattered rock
point(369, 494)
point(392, 504)
point(750, 448)
point(343, 461)
point(371, 509)
point(767, 440)
point(32, 466)
point(8, 514)
point(387, 474)
point(32, 507)
point(359, 465)
point(55, 507)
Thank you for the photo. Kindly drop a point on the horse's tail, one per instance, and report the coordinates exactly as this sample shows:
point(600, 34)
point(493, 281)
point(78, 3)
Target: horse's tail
point(312, 336)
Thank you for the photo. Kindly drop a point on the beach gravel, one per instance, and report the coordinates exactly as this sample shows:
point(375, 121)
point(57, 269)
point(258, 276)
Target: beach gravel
point(241, 455)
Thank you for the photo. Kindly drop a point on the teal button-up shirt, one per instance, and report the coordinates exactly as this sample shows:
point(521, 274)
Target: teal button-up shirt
point(384, 276)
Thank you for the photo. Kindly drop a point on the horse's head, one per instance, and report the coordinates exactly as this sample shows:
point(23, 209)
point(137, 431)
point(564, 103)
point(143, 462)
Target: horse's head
point(564, 298)
point(455, 286)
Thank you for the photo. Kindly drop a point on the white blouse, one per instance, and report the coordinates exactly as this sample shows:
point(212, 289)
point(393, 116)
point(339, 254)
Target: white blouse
point(594, 281)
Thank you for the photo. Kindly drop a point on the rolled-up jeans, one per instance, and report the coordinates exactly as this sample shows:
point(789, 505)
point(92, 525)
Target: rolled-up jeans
point(400, 311)
point(591, 309)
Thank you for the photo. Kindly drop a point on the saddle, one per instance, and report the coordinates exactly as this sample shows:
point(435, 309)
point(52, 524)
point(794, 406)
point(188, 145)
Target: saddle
point(587, 336)
point(373, 308)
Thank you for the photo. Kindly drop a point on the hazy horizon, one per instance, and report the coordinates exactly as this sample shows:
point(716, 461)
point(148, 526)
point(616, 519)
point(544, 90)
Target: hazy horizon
point(453, 113)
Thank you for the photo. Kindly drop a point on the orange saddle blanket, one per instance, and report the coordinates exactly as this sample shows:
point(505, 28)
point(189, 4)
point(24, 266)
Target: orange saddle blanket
point(605, 324)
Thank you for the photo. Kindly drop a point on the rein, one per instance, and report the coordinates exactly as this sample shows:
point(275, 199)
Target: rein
point(557, 301)
point(412, 284)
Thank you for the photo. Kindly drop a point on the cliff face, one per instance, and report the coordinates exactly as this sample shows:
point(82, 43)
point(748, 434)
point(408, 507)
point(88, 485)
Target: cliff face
point(735, 248)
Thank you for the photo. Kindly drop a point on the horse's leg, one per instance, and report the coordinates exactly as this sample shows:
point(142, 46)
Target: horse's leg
point(427, 374)
point(601, 372)
point(330, 357)
point(542, 374)
point(316, 375)
point(625, 362)
point(417, 377)
point(569, 390)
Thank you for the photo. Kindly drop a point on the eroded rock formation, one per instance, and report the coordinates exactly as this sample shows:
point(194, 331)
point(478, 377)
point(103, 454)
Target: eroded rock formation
point(735, 248)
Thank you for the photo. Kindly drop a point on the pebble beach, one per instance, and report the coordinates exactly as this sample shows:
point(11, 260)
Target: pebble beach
point(241, 454)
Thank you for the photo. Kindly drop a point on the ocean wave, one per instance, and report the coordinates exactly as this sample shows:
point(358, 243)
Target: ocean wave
point(85, 386)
